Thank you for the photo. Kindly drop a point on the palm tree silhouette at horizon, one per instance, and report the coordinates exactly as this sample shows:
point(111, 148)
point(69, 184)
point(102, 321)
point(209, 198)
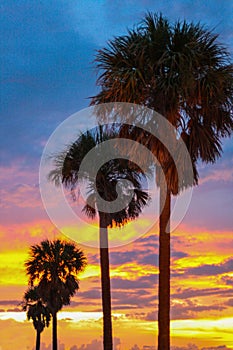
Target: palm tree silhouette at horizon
point(52, 268)
point(37, 311)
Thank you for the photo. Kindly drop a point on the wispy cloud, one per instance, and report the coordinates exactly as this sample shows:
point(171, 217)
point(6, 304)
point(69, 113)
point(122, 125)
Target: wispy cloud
point(212, 270)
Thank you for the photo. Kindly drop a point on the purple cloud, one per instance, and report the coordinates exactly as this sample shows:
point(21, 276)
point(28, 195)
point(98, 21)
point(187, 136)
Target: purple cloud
point(211, 270)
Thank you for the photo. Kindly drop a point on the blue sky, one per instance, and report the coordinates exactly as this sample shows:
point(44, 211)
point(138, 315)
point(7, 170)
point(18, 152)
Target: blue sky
point(48, 49)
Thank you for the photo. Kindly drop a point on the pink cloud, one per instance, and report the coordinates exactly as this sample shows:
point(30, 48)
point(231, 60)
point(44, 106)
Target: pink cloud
point(21, 195)
point(218, 175)
point(21, 236)
point(19, 186)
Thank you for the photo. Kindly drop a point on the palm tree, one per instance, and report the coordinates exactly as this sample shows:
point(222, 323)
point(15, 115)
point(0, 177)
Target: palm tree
point(102, 186)
point(185, 74)
point(37, 311)
point(53, 267)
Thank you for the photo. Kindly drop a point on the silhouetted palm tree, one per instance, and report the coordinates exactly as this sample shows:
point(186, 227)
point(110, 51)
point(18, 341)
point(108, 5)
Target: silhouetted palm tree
point(37, 311)
point(53, 267)
point(104, 184)
point(185, 74)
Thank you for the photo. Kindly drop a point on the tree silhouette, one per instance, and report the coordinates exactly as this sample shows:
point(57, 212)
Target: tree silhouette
point(37, 311)
point(102, 186)
point(185, 74)
point(53, 267)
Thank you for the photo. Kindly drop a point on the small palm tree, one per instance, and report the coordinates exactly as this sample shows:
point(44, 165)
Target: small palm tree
point(37, 311)
point(103, 184)
point(185, 74)
point(53, 267)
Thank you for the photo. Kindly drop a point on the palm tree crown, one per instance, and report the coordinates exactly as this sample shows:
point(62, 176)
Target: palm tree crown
point(113, 172)
point(53, 267)
point(181, 71)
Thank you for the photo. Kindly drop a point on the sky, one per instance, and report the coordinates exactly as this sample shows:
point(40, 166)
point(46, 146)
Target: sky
point(47, 52)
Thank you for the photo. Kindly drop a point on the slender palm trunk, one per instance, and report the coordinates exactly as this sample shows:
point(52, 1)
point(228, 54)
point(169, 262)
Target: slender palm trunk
point(164, 270)
point(38, 340)
point(105, 284)
point(54, 331)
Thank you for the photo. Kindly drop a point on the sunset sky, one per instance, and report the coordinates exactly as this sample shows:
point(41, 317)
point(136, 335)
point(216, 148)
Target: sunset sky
point(47, 52)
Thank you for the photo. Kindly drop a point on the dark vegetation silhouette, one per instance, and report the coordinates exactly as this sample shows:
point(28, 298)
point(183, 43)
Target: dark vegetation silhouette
point(115, 172)
point(37, 311)
point(52, 269)
point(183, 72)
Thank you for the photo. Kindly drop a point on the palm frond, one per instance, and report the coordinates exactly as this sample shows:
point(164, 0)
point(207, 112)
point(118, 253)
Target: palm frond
point(180, 70)
point(52, 269)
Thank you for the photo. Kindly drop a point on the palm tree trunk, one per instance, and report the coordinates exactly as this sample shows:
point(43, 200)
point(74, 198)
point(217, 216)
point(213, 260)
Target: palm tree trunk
point(38, 340)
point(105, 284)
point(164, 270)
point(54, 331)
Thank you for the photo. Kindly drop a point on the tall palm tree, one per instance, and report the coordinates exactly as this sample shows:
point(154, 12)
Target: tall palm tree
point(53, 267)
point(102, 186)
point(185, 74)
point(37, 311)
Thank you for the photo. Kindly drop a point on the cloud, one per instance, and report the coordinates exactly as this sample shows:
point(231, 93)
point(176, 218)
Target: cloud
point(194, 292)
point(211, 270)
point(19, 192)
point(15, 309)
point(189, 309)
point(96, 345)
point(142, 282)
point(21, 195)
point(125, 292)
point(228, 280)
point(180, 311)
point(150, 259)
point(151, 316)
point(195, 347)
point(216, 175)
point(135, 347)
point(146, 252)
point(125, 257)
point(90, 294)
point(210, 206)
point(149, 242)
point(18, 237)
point(229, 302)
point(10, 302)
point(189, 347)
point(221, 347)
point(43, 346)
point(138, 299)
point(178, 255)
